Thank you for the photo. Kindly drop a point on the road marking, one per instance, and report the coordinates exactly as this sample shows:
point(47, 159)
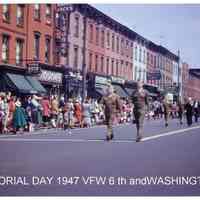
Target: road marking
point(97, 140)
point(169, 133)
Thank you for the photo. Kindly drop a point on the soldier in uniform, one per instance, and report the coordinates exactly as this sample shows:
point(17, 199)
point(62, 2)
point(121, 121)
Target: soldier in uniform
point(167, 104)
point(140, 101)
point(112, 105)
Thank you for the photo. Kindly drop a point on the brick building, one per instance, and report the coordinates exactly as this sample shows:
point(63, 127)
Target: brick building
point(108, 43)
point(193, 88)
point(27, 38)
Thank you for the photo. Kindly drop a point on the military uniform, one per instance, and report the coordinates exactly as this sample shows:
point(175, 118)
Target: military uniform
point(111, 106)
point(140, 101)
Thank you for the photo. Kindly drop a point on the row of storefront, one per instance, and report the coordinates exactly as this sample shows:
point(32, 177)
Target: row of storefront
point(39, 78)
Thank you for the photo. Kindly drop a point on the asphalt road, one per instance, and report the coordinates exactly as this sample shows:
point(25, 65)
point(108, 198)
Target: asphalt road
point(56, 163)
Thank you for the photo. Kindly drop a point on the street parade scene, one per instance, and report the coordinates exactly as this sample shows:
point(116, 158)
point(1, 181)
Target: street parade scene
point(90, 107)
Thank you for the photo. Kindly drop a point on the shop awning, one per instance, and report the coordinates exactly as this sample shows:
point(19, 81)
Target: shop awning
point(120, 91)
point(130, 91)
point(36, 84)
point(20, 83)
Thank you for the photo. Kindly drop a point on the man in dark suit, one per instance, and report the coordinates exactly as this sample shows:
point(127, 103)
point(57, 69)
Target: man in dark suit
point(140, 102)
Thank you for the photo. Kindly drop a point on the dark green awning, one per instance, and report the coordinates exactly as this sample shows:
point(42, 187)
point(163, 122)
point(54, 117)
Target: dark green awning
point(130, 91)
point(120, 91)
point(20, 83)
point(36, 84)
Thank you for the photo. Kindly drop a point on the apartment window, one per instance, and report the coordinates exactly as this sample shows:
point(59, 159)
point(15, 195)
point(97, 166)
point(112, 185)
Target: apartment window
point(47, 49)
point(90, 62)
point(5, 48)
point(151, 59)
point(102, 38)
point(102, 64)
point(97, 36)
point(122, 46)
point(37, 11)
point(108, 38)
point(117, 68)
point(136, 71)
point(147, 57)
point(19, 51)
point(76, 57)
point(140, 55)
point(48, 10)
point(122, 71)
point(76, 34)
point(20, 15)
point(113, 42)
point(37, 46)
point(91, 32)
point(107, 66)
point(57, 50)
point(6, 12)
point(112, 67)
point(117, 44)
point(96, 63)
point(136, 49)
point(155, 61)
point(127, 44)
point(144, 56)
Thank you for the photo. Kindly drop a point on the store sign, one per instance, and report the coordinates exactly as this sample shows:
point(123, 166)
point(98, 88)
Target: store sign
point(154, 75)
point(51, 76)
point(101, 80)
point(33, 68)
point(117, 80)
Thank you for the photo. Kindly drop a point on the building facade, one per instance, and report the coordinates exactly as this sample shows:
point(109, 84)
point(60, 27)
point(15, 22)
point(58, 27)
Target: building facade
point(193, 89)
point(27, 39)
point(140, 59)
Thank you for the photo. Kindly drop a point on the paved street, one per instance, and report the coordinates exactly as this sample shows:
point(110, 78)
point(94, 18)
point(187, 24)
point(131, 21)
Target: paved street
point(172, 152)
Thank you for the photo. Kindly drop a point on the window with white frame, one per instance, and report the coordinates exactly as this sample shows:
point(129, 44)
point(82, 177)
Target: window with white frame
point(6, 12)
point(37, 11)
point(5, 48)
point(19, 51)
point(20, 15)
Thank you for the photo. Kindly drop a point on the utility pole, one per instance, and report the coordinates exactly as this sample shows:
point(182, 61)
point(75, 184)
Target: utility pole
point(179, 73)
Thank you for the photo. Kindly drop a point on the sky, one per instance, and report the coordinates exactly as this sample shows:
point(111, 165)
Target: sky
point(173, 26)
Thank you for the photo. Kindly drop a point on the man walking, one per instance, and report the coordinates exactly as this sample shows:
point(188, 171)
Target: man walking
point(140, 101)
point(111, 102)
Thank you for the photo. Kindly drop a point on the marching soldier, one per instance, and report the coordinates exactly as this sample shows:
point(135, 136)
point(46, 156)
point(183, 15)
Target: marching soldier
point(140, 101)
point(111, 102)
point(167, 104)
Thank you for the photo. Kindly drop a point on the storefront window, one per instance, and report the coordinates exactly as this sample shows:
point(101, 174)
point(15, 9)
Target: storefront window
point(20, 15)
point(5, 48)
point(19, 51)
point(6, 13)
point(37, 11)
point(47, 49)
